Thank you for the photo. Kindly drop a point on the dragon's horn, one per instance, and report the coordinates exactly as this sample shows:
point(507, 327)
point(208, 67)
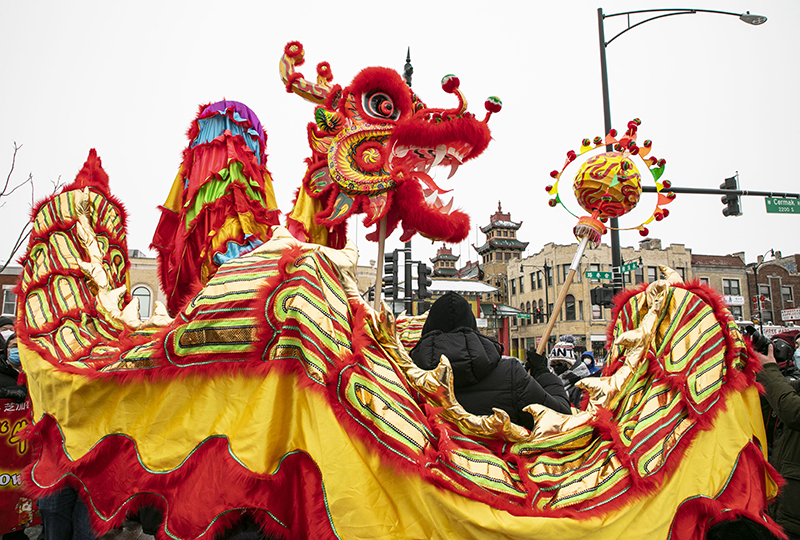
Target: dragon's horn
point(293, 56)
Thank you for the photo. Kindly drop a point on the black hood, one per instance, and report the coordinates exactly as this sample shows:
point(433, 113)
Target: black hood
point(449, 312)
point(472, 355)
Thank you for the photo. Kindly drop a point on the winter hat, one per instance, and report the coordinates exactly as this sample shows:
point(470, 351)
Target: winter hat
point(563, 351)
point(449, 312)
point(6, 320)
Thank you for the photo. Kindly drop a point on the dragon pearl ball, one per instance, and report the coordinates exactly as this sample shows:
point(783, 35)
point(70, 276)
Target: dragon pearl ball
point(608, 183)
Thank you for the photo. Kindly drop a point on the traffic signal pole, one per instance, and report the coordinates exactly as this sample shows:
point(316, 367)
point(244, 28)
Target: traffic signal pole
point(711, 191)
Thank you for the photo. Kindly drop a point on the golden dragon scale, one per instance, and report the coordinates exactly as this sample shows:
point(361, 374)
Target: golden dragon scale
point(279, 393)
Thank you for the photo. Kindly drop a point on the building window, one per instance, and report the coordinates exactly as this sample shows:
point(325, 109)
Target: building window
point(514, 287)
point(569, 303)
point(564, 272)
point(9, 301)
point(786, 293)
point(737, 313)
point(681, 272)
point(528, 310)
point(521, 284)
point(533, 282)
point(143, 294)
point(539, 279)
point(577, 278)
point(638, 275)
point(652, 274)
point(550, 277)
point(704, 281)
point(730, 287)
point(597, 313)
point(580, 310)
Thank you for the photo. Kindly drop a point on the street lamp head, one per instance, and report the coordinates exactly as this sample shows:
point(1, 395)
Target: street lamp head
point(755, 20)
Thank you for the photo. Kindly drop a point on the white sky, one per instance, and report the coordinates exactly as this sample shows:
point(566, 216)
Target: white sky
point(715, 95)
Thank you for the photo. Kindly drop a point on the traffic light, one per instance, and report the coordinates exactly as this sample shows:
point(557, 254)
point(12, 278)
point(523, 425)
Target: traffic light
point(423, 281)
point(731, 202)
point(391, 277)
point(371, 293)
point(603, 296)
point(494, 309)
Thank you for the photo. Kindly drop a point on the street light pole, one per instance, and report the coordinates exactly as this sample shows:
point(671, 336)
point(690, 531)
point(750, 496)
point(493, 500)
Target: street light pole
point(616, 256)
point(756, 266)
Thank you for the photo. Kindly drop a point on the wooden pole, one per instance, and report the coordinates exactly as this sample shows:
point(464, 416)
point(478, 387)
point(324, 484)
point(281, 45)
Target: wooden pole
point(576, 260)
point(379, 270)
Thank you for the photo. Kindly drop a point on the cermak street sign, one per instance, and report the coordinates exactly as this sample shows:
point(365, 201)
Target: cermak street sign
point(524, 316)
point(782, 205)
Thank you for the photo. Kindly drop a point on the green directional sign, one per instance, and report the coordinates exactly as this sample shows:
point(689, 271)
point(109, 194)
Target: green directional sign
point(526, 316)
point(630, 266)
point(781, 205)
point(598, 275)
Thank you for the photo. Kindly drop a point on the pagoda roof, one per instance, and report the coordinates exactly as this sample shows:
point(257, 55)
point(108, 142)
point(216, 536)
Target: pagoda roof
point(445, 257)
point(505, 243)
point(501, 224)
point(447, 272)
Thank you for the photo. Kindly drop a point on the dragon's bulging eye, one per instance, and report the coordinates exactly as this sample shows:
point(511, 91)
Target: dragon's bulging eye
point(379, 105)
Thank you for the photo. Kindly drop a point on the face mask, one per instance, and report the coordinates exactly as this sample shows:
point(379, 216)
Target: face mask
point(6, 334)
point(13, 356)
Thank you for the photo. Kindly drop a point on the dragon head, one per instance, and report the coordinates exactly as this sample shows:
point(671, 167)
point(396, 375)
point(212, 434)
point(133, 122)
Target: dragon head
point(373, 146)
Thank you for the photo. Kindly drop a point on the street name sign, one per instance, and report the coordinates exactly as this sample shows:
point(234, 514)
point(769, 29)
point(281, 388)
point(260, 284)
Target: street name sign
point(598, 275)
point(630, 266)
point(526, 316)
point(781, 205)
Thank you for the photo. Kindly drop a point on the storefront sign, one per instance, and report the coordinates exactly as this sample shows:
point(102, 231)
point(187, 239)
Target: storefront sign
point(792, 314)
point(734, 300)
point(16, 510)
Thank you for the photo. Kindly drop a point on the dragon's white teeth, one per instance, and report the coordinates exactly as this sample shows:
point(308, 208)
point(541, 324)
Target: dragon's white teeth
point(441, 152)
point(431, 198)
point(446, 208)
point(426, 192)
point(453, 168)
point(400, 151)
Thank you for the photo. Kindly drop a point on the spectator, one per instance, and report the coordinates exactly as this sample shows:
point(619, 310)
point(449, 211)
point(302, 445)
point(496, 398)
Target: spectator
point(569, 369)
point(483, 378)
point(783, 397)
point(9, 370)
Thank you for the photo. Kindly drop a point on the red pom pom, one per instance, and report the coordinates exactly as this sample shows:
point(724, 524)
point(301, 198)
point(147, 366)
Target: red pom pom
point(586, 142)
point(450, 83)
point(659, 216)
point(613, 132)
point(571, 155)
point(667, 184)
point(597, 140)
point(553, 174)
point(294, 49)
point(644, 232)
point(648, 143)
point(324, 71)
point(662, 162)
point(552, 203)
point(548, 188)
point(635, 150)
point(665, 212)
point(493, 104)
point(670, 195)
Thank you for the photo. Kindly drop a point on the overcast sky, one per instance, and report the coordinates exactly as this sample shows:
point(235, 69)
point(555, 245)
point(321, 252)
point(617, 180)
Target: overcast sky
point(715, 96)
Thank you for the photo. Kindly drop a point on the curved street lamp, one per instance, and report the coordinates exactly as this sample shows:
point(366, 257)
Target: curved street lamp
point(747, 17)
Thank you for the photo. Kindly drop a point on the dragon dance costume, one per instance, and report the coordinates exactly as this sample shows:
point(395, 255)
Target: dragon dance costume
point(276, 391)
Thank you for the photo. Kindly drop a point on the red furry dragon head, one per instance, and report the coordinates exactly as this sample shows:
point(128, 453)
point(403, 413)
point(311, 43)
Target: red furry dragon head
point(373, 145)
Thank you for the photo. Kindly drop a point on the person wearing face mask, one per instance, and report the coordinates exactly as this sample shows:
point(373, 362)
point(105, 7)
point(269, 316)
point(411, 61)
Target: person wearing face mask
point(10, 368)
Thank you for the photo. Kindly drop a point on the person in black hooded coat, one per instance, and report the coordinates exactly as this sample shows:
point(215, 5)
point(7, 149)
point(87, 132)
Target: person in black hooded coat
point(483, 378)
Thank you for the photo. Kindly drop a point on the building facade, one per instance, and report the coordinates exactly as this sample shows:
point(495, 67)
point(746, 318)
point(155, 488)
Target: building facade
point(773, 290)
point(535, 283)
point(444, 264)
point(728, 275)
point(499, 250)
